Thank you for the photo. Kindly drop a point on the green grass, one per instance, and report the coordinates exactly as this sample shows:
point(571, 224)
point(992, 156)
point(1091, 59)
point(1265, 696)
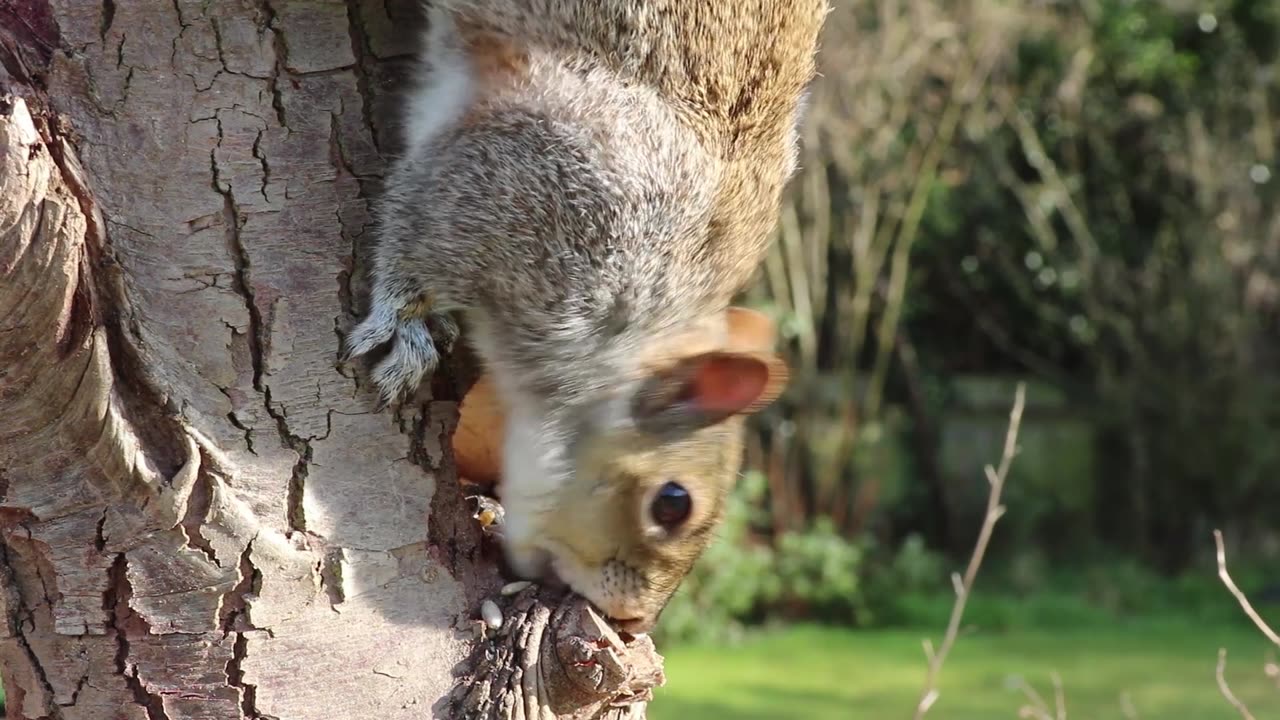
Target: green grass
point(812, 673)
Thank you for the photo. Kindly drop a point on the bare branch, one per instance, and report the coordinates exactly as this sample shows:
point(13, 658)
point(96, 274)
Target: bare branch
point(1226, 689)
point(929, 694)
point(1245, 605)
point(1059, 696)
point(1240, 596)
point(1127, 707)
point(1037, 709)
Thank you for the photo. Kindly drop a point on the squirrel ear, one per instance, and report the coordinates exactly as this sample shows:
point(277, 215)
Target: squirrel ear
point(733, 383)
point(740, 378)
point(752, 336)
point(750, 329)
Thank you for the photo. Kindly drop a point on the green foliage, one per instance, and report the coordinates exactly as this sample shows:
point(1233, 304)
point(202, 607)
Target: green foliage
point(815, 574)
point(916, 568)
point(1138, 46)
point(1101, 220)
point(742, 579)
point(1114, 234)
point(1025, 593)
point(896, 581)
point(818, 575)
point(818, 572)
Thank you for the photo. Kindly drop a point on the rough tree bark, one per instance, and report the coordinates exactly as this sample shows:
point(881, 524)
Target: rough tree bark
point(201, 516)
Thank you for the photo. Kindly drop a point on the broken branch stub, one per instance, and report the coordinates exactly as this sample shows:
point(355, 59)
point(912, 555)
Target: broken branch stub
point(555, 657)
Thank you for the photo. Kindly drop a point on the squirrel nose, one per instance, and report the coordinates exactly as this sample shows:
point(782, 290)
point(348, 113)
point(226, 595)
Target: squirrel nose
point(633, 626)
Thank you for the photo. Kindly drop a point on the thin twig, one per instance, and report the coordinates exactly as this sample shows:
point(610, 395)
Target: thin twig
point(1038, 709)
point(929, 695)
point(1226, 689)
point(1127, 707)
point(1244, 601)
point(1245, 605)
point(1059, 696)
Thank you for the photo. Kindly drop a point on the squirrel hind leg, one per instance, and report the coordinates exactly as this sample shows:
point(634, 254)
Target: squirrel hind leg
point(415, 348)
point(413, 356)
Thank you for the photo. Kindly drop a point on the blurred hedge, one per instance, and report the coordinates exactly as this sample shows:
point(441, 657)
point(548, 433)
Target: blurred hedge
point(1080, 193)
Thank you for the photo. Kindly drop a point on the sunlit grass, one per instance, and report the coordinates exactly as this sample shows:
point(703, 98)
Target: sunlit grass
point(812, 673)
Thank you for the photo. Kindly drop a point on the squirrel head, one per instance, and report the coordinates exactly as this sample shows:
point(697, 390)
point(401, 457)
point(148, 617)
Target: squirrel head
point(621, 506)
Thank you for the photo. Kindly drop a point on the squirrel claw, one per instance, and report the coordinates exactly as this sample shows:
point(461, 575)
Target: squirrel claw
point(413, 354)
point(377, 328)
point(412, 357)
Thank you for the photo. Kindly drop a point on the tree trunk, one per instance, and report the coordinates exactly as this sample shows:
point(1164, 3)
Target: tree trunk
point(202, 515)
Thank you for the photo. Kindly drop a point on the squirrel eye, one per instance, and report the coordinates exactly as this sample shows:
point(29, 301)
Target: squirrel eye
point(672, 505)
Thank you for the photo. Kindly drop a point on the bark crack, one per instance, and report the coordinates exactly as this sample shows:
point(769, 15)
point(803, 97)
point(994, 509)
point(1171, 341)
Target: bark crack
point(277, 96)
point(329, 569)
point(363, 54)
point(235, 609)
point(235, 678)
point(258, 342)
point(17, 622)
point(261, 155)
point(115, 601)
point(236, 619)
point(240, 255)
point(75, 694)
point(39, 568)
point(339, 157)
point(298, 480)
point(108, 17)
point(231, 416)
point(248, 431)
point(100, 532)
point(182, 29)
point(222, 60)
point(197, 513)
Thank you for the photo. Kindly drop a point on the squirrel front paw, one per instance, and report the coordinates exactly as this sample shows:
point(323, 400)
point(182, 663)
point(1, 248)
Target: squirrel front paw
point(414, 354)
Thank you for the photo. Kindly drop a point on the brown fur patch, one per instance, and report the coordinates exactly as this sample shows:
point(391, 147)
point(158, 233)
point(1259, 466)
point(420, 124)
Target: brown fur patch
point(494, 58)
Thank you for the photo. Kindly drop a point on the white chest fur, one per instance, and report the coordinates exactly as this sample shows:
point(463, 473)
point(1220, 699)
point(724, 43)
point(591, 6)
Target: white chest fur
point(443, 88)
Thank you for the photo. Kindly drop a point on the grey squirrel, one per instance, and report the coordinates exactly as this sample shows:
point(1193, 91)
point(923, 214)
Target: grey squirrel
point(590, 182)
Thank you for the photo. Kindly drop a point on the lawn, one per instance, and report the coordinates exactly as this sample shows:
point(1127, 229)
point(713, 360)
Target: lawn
point(813, 673)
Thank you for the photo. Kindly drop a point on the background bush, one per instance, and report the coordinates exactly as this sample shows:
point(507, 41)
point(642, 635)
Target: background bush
point(1081, 195)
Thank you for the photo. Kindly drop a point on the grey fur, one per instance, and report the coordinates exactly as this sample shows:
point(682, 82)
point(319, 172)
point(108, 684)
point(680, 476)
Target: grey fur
point(610, 184)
